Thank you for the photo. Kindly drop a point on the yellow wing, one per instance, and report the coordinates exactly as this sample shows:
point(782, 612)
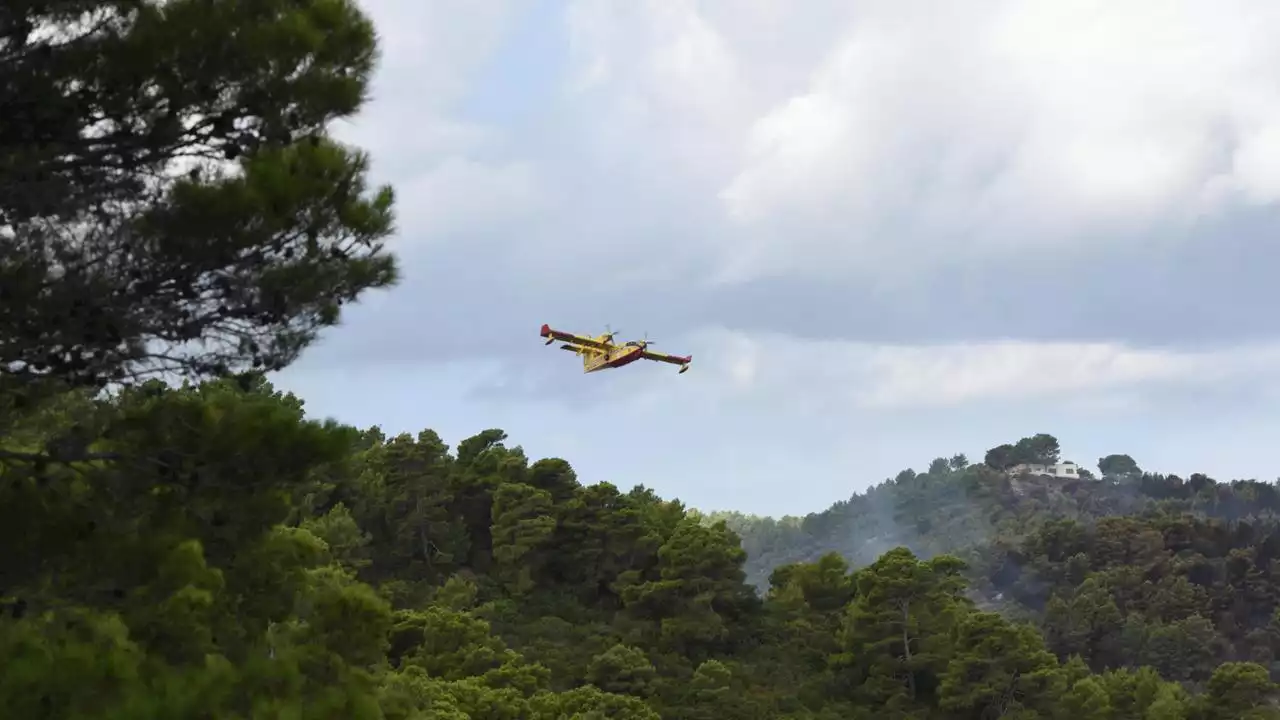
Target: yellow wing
point(663, 357)
point(553, 335)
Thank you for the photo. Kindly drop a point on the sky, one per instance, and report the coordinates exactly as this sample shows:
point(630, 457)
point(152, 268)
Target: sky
point(886, 230)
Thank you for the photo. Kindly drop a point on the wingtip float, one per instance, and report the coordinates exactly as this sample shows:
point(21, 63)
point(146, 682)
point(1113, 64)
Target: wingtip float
point(602, 353)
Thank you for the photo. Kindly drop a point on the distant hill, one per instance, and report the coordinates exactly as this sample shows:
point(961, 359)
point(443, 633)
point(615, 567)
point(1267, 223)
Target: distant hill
point(958, 508)
point(1132, 569)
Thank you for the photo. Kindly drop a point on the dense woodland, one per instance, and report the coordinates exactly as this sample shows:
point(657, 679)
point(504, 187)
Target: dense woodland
point(181, 541)
point(216, 552)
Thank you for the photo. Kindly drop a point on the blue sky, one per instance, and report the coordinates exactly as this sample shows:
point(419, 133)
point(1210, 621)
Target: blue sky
point(882, 239)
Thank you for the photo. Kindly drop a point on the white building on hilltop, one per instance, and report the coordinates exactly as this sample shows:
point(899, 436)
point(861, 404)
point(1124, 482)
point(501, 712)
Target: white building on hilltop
point(1065, 470)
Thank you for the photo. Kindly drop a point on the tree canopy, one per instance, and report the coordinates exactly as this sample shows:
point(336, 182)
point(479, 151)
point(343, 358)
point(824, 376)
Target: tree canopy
point(169, 199)
point(1039, 449)
point(1118, 465)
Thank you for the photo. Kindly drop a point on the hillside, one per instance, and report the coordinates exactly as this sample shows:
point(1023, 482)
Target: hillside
point(210, 549)
point(955, 507)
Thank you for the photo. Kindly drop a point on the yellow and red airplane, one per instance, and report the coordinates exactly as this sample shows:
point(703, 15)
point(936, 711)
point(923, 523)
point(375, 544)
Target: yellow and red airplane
point(600, 352)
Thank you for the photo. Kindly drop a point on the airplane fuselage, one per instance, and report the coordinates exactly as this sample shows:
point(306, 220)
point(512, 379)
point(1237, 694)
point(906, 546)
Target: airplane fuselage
point(614, 357)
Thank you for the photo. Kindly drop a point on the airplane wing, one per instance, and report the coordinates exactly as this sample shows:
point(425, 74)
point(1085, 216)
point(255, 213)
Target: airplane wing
point(550, 334)
point(663, 357)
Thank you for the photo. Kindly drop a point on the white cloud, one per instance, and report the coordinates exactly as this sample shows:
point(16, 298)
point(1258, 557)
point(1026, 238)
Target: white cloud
point(1004, 371)
point(430, 52)
point(827, 375)
point(437, 44)
point(452, 177)
point(934, 131)
point(461, 195)
point(658, 70)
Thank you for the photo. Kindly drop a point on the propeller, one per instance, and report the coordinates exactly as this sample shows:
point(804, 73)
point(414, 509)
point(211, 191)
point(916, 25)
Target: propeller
point(646, 342)
point(609, 333)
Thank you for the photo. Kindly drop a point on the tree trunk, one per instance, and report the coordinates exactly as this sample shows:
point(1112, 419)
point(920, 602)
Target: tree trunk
point(906, 648)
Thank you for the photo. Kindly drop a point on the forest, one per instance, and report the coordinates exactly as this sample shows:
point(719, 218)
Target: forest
point(211, 552)
point(181, 540)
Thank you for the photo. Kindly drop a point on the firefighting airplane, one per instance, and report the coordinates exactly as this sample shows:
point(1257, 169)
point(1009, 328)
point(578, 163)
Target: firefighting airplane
point(600, 353)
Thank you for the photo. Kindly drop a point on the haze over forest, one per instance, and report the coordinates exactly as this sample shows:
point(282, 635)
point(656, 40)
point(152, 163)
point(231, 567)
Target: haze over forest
point(182, 227)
